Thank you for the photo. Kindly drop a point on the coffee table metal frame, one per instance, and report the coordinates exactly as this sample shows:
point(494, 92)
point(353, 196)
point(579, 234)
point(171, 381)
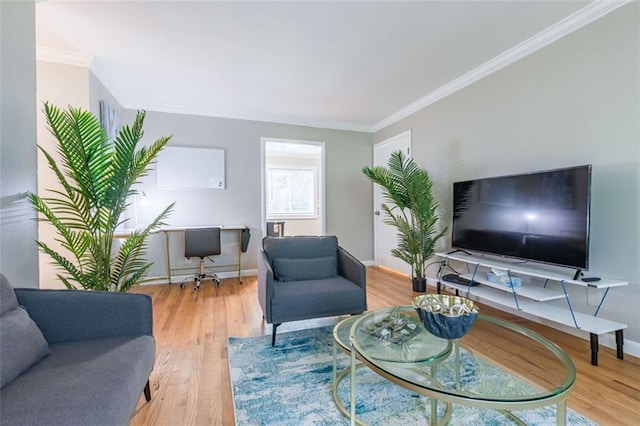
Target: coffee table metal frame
point(436, 392)
point(339, 343)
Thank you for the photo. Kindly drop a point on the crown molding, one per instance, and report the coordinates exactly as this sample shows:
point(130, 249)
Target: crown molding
point(67, 57)
point(590, 13)
point(292, 121)
point(577, 20)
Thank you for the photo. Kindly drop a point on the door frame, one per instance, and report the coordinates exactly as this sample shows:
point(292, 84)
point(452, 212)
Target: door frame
point(384, 143)
point(321, 180)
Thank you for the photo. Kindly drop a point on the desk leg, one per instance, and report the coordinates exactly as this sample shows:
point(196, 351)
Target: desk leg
point(240, 257)
point(166, 252)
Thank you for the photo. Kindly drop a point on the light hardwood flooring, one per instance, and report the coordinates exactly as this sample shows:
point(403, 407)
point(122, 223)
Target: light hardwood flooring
point(190, 383)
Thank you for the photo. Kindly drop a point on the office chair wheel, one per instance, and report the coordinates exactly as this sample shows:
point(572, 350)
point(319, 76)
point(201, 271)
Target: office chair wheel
point(181, 285)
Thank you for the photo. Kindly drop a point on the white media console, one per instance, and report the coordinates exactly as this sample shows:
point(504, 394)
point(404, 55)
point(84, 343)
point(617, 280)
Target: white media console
point(530, 297)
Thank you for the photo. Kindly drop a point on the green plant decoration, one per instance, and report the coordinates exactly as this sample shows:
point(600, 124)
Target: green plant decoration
point(97, 175)
point(411, 208)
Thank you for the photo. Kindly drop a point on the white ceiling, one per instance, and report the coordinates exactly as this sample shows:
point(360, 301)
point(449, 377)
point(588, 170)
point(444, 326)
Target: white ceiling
point(351, 65)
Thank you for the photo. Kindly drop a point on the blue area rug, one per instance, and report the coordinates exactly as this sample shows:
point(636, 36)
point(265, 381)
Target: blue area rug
point(290, 384)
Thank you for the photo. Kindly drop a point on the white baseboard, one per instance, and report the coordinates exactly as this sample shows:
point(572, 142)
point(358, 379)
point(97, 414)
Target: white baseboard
point(153, 281)
point(184, 277)
point(630, 347)
point(368, 262)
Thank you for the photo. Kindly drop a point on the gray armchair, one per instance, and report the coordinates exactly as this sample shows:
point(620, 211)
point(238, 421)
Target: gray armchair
point(306, 277)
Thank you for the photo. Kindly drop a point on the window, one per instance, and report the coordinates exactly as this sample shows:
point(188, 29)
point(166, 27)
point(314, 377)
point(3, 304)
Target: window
point(291, 192)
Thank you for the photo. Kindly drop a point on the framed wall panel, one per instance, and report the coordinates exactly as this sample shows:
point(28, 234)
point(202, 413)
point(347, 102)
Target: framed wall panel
point(184, 167)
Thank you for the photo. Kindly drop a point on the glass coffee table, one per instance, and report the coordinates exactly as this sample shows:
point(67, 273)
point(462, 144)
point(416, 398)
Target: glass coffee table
point(473, 370)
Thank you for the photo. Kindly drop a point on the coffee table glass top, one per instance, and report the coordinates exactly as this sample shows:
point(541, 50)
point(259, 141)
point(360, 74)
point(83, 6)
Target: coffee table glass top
point(478, 369)
point(394, 335)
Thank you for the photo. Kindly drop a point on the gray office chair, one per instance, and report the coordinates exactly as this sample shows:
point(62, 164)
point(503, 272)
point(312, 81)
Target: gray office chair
point(202, 242)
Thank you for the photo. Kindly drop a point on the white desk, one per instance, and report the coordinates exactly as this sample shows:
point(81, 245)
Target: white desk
point(223, 228)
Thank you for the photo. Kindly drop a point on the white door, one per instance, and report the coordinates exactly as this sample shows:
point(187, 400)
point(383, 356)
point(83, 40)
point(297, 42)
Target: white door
point(385, 236)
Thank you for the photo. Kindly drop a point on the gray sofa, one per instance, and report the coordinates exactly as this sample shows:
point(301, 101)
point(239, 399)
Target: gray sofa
point(306, 277)
point(73, 357)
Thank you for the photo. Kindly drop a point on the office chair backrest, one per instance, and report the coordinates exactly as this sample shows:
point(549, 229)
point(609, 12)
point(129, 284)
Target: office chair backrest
point(201, 242)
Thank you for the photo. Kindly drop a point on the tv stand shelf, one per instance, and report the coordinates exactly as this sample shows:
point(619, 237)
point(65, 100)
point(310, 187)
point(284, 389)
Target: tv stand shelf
point(536, 293)
point(529, 298)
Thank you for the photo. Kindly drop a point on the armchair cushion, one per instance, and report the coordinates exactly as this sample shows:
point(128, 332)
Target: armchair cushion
point(300, 247)
point(23, 344)
point(299, 300)
point(318, 268)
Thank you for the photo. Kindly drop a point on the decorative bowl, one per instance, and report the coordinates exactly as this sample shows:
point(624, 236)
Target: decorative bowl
point(446, 316)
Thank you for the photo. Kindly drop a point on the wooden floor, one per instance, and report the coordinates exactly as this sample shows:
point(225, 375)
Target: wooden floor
point(190, 383)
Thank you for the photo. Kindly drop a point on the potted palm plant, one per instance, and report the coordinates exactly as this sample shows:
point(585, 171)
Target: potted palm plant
point(412, 209)
point(96, 176)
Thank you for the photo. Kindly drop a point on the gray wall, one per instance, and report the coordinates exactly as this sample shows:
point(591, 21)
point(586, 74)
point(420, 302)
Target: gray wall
point(574, 102)
point(99, 92)
point(18, 230)
point(348, 193)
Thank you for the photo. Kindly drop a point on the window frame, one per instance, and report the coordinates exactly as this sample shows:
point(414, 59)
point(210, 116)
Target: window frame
point(292, 215)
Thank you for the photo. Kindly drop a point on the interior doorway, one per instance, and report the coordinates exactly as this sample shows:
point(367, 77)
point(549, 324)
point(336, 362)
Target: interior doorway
point(385, 236)
point(293, 186)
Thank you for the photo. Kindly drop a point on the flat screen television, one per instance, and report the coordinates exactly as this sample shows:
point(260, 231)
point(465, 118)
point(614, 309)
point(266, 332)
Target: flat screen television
point(541, 216)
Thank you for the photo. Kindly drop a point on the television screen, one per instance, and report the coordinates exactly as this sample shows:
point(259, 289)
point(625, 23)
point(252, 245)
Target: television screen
point(541, 216)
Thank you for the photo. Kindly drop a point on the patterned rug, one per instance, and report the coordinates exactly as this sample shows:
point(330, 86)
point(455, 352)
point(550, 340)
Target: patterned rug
point(290, 384)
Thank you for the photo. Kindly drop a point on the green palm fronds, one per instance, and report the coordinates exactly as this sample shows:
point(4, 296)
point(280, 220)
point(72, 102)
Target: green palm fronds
point(96, 177)
point(411, 208)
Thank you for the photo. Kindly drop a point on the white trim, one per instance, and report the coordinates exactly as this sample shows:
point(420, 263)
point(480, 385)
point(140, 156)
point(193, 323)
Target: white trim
point(263, 187)
point(392, 139)
point(630, 347)
point(66, 57)
point(571, 23)
point(177, 279)
point(321, 177)
point(315, 197)
point(590, 13)
point(322, 186)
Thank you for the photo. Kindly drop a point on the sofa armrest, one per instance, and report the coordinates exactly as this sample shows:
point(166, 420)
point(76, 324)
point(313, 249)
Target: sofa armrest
point(265, 284)
point(351, 268)
point(72, 315)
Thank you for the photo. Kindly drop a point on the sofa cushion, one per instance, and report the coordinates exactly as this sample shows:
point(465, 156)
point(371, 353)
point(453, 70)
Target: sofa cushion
point(87, 382)
point(23, 344)
point(317, 268)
